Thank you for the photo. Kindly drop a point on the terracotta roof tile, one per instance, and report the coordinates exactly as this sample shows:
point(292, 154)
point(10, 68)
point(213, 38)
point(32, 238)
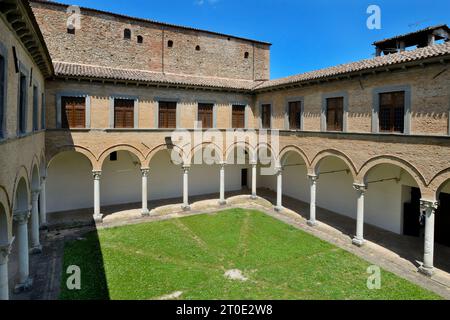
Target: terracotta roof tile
point(64, 69)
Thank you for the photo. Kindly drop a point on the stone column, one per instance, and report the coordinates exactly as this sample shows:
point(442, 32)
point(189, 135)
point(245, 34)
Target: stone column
point(145, 173)
point(358, 240)
point(428, 208)
point(43, 204)
point(186, 206)
point(36, 247)
point(21, 217)
point(312, 207)
point(253, 196)
point(222, 200)
point(279, 205)
point(98, 217)
point(5, 250)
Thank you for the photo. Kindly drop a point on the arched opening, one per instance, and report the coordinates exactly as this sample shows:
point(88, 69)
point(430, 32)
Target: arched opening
point(120, 179)
point(335, 186)
point(238, 169)
point(127, 34)
point(442, 222)
point(140, 39)
point(392, 200)
point(69, 183)
point(4, 237)
point(295, 176)
point(204, 172)
point(165, 178)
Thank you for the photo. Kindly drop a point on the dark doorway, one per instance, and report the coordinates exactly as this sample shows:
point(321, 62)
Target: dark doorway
point(411, 215)
point(442, 220)
point(244, 177)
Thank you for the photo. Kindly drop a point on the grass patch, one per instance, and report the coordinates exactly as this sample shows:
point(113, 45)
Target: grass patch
point(191, 255)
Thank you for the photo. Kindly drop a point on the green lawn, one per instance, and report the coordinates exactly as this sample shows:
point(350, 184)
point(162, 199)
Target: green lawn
point(191, 255)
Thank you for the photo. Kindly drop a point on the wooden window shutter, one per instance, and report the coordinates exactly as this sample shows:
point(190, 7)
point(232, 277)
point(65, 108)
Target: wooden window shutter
point(205, 115)
point(335, 114)
point(123, 113)
point(167, 115)
point(294, 115)
point(73, 112)
point(238, 117)
point(392, 111)
point(265, 116)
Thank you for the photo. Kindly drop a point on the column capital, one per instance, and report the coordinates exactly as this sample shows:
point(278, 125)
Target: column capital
point(223, 164)
point(186, 168)
point(145, 172)
point(97, 175)
point(21, 216)
point(430, 206)
point(5, 251)
point(35, 194)
point(360, 187)
point(313, 177)
point(279, 169)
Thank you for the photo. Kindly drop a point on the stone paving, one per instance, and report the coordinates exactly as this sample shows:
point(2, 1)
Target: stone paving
point(395, 253)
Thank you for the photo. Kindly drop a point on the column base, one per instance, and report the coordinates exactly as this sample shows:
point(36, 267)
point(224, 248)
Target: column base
point(36, 249)
point(427, 271)
point(186, 207)
point(145, 213)
point(311, 223)
point(23, 287)
point(278, 209)
point(44, 227)
point(98, 218)
point(358, 242)
point(253, 197)
point(222, 202)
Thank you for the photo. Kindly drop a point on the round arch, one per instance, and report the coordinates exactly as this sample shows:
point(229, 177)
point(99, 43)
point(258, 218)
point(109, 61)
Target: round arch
point(293, 149)
point(122, 147)
point(245, 145)
point(34, 169)
point(315, 165)
point(5, 216)
point(438, 183)
point(73, 148)
point(21, 185)
point(175, 149)
point(202, 146)
point(409, 168)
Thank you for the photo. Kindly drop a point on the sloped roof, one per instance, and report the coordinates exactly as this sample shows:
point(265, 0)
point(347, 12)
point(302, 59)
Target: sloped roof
point(434, 51)
point(64, 69)
point(409, 34)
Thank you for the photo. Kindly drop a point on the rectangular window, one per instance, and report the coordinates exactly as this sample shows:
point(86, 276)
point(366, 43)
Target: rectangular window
point(238, 117)
point(167, 115)
point(73, 112)
point(295, 113)
point(35, 109)
point(42, 111)
point(2, 95)
point(335, 114)
point(265, 115)
point(392, 111)
point(22, 103)
point(205, 115)
point(123, 113)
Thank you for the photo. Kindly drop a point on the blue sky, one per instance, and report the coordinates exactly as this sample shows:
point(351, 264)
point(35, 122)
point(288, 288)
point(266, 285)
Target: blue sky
point(306, 35)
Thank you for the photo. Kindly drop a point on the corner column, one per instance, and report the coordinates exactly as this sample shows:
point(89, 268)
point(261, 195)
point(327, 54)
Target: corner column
point(36, 247)
point(279, 205)
point(145, 172)
point(358, 240)
point(25, 282)
point(222, 200)
point(428, 208)
point(43, 204)
point(98, 217)
point(5, 250)
point(312, 204)
point(253, 196)
point(186, 206)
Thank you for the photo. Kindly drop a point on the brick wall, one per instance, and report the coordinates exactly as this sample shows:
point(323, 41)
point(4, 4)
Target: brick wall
point(100, 41)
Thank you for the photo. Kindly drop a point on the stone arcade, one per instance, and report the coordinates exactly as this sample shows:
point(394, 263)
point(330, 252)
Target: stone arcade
point(85, 115)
